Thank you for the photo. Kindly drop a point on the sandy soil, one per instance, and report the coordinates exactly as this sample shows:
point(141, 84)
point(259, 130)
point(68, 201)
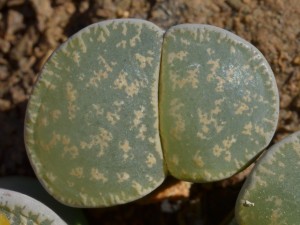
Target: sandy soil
point(31, 29)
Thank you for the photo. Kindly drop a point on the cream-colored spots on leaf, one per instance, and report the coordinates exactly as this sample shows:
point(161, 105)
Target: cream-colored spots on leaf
point(76, 58)
point(143, 60)
point(260, 181)
point(174, 111)
point(190, 79)
point(210, 51)
point(82, 45)
point(230, 75)
point(265, 170)
point(112, 118)
point(72, 96)
point(121, 82)
point(232, 50)
point(281, 178)
point(247, 129)
point(55, 114)
point(215, 65)
point(97, 77)
point(123, 176)
point(51, 177)
point(276, 200)
point(213, 75)
point(137, 187)
point(83, 197)
point(151, 160)
point(185, 41)
point(176, 55)
point(57, 64)
point(101, 37)
point(69, 149)
point(99, 111)
point(121, 44)
point(49, 85)
point(296, 147)
point(124, 29)
point(133, 41)
point(124, 146)
point(227, 156)
point(276, 217)
point(55, 139)
point(102, 140)
point(207, 175)
point(77, 172)
point(139, 115)
point(105, 64)
point(98, 176)
point(240, 108)
point(228, 142)
point(142, 131)
point(208, 121)
point(260, 130)
point(217, 150)
point(197, 159)
point(175, 159)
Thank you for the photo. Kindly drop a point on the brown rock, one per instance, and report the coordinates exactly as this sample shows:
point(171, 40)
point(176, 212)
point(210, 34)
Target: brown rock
point(14, 23)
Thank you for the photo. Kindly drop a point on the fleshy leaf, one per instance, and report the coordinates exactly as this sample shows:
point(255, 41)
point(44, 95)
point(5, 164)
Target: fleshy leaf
point(271, 194)
point(218, 102)
point(91, 128)
point(31, 187)
point(19, 209)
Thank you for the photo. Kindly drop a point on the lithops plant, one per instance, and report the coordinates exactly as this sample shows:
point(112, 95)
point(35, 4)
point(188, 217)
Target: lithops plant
point(218, 102)
point(31, 187)
point(271, 194)
point(17, 208)
point(105, 98)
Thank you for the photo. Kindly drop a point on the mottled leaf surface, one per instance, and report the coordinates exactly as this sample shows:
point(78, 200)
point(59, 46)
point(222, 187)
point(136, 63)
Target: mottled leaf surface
point(270, 195)
point(17, 208)
point(91, 128)
point(218, 102)
point(32, 187)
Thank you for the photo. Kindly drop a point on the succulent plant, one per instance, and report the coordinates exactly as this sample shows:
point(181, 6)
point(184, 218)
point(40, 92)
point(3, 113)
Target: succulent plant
point(107, 97)
point(17, 208)
point(31, 187)
point(271, 194)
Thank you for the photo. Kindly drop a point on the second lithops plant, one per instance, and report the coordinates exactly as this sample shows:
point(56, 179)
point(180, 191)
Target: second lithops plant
point(17, 208)
point(271, 194)
point(122, 104)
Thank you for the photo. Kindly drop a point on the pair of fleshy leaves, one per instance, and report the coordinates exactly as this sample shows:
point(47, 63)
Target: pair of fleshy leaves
point(122, 104)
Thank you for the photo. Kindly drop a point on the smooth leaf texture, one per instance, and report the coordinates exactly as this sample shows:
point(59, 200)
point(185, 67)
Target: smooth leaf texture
point(270, 195)
point(218, 102)
point(19, 209)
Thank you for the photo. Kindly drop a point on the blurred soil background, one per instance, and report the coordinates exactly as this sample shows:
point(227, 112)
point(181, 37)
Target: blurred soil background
point(31, 29)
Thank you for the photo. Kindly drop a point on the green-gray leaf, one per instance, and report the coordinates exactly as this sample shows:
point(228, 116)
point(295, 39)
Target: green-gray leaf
point(91, 128)
point(32, 187)
point(22, 209)
point(270, 195)
point(218, 102)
